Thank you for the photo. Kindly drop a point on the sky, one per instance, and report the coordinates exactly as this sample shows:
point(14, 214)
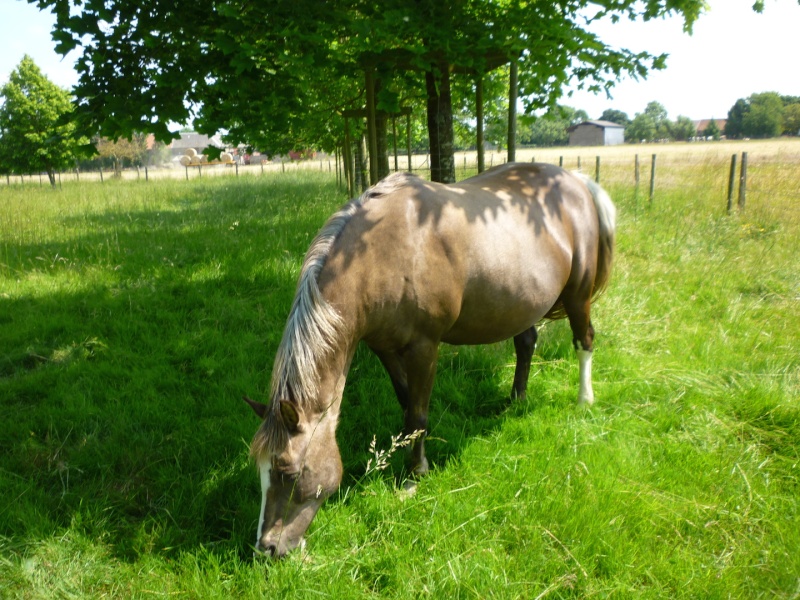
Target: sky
point(733, 53)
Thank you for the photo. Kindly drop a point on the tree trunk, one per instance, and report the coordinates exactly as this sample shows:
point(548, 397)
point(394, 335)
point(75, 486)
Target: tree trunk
point(381, 132)
point(361, 169)
point(440, 125)
point(479, 122)
point(512, 111)
point(51, 175)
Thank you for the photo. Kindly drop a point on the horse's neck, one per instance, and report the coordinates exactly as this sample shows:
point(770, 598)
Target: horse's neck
point(332, 378)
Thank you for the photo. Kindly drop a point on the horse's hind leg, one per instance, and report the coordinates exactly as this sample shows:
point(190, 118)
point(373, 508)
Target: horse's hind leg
point(524, 344)
point(578, 312)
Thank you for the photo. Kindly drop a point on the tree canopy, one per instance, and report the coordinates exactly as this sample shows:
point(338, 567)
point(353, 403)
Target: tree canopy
point(274, 73)
point(36, 130)
point(758, 116)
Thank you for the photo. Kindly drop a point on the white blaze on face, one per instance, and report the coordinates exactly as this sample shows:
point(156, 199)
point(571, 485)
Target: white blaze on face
point(263, 468)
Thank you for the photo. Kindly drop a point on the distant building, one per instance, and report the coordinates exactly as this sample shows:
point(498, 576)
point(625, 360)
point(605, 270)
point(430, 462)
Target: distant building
point(198, 141)
point(703, 124)
point(596, 133)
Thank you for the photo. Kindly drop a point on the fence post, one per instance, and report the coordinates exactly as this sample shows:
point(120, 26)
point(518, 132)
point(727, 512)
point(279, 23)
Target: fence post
point(561, 161)
point(743, 181)
point(236, 165)
point(187, 172)
point(731, 182)
point(597, 169)
point(146, 174)
point(101, 174)
point(652, 178)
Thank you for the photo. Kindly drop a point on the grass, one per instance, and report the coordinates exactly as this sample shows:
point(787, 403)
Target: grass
point(133, 317)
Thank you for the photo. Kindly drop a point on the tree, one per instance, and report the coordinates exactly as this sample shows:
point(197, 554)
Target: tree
point(658, 114)
point(615, 116)
point(712, 130)
point(641, 129)
point(279, 70)
point(735, 123)
point(133, 150)
point(764, 118)
point(791, 118)
point(36, 131)
point(758, 116)
point(683, 129)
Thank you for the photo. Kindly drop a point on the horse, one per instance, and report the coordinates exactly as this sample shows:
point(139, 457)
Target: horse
point(408, 265)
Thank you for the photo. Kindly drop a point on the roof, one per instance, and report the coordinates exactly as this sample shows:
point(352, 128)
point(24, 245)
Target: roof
point(197, 141)
point(602, 124)
point(703, 124)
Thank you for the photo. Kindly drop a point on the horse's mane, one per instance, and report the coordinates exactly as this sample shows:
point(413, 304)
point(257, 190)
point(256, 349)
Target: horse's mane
point(312, 329)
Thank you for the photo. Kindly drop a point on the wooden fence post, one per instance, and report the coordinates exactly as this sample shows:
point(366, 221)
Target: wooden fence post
point(579, 163)
point(561, 161)
point(101, 174)
point(597, 169)
point(146, 174)
point(731, 182)
point(743, 181)
point(652, 178)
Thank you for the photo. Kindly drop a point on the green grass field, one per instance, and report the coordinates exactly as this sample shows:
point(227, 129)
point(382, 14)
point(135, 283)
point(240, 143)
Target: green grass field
point(134, 316)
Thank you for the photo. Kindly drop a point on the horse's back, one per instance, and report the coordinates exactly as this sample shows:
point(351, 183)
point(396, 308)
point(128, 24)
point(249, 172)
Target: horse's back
point(474, 262)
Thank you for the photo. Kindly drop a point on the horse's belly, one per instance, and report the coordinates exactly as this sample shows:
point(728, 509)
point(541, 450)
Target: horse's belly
point(494, 314)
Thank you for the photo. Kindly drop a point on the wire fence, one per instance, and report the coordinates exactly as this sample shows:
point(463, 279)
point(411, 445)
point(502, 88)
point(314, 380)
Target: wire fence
point(735, 171)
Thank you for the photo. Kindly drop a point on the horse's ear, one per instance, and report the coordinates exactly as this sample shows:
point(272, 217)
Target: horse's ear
point(290, 416)
point(258, 408)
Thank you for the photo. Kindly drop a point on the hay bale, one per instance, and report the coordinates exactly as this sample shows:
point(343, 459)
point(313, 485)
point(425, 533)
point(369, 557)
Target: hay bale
point(191, 152)
point(195, 160)
point(226, 157)
point(186, 161)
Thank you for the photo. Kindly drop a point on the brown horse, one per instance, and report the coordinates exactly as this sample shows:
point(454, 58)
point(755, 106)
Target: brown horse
point(406, 266)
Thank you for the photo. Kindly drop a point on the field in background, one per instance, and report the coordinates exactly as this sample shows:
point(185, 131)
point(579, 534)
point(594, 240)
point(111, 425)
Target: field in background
point(134, 316)
point(619, 159)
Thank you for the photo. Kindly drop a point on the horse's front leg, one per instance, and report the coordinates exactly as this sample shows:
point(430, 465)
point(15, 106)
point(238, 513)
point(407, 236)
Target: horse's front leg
point(420, 359)
point(524, 344)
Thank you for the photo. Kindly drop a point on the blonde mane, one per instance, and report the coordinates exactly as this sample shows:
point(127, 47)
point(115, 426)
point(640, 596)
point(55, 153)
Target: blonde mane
point(312, 329)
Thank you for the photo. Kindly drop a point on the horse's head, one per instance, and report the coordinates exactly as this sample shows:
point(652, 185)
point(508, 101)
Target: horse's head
point(300, 466)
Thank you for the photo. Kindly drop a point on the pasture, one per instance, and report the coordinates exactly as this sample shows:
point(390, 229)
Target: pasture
point(134, 316)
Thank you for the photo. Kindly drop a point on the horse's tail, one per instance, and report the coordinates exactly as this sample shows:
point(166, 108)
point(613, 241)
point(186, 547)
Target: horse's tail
point(607, 217)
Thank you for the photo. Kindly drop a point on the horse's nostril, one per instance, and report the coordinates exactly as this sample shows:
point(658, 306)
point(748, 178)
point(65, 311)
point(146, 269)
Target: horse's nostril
point(270, 550)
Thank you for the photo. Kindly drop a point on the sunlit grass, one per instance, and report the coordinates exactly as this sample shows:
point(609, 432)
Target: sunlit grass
point(134, 316)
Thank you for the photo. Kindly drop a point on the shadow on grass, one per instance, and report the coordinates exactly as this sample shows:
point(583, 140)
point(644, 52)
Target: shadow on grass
point(120, 394)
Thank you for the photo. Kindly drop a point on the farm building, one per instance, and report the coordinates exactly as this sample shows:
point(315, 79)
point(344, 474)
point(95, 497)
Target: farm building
point(703, 124)
point(596, 133)
point(198, 141)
